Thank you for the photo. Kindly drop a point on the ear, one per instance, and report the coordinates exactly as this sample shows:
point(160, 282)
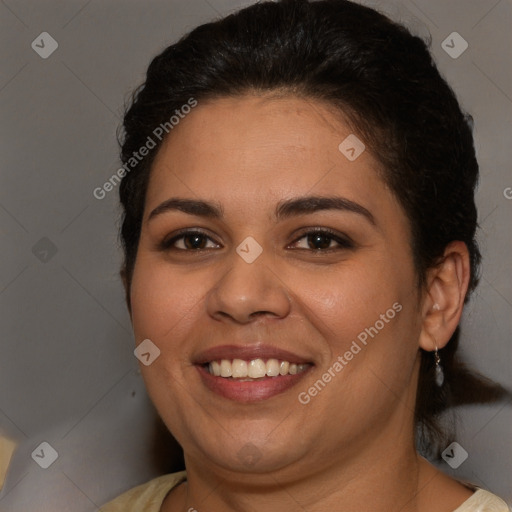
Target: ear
point(447, 285)
point(126, 284)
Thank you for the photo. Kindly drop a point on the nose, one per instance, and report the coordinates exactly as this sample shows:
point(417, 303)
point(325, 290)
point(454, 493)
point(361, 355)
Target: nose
point(248, 291)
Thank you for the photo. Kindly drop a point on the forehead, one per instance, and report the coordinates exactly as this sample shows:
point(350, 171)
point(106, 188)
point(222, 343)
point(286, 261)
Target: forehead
point(263, 148)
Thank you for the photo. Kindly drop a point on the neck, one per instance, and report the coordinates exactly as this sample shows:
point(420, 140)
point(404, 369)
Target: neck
point(379, 478)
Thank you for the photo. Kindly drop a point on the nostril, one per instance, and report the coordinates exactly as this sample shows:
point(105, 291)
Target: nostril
point(258, 313)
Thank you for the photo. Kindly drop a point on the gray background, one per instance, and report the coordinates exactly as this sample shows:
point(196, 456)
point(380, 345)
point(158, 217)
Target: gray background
point(67, 371)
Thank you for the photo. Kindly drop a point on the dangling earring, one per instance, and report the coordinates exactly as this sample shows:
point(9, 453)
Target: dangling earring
point(439, 370)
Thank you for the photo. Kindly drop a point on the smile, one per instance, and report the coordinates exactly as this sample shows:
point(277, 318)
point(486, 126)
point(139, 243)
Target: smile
point(253, 369)
point(250, 372)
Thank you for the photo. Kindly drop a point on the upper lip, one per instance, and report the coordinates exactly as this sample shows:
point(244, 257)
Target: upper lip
point(248, 353)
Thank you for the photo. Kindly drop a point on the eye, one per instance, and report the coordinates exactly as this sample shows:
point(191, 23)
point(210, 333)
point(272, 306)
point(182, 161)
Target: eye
point(323, 240)
point(318, 240)
point(189, 241)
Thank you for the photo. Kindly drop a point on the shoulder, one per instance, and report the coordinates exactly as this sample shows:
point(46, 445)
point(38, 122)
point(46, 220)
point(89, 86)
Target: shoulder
point(147, 497)
point(483, 501)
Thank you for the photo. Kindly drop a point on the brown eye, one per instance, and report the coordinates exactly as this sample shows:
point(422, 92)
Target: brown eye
point(189, 241)
point(319, 241)
point(194, 241)
point(322, 240)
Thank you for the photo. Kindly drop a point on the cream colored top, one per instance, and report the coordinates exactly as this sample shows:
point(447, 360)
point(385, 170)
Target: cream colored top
point(149, 497)
point(7, 447)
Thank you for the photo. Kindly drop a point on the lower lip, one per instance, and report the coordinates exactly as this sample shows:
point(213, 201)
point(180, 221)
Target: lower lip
point(249, 391)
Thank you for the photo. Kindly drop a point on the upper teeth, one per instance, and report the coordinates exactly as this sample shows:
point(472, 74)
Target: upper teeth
point(254, 369)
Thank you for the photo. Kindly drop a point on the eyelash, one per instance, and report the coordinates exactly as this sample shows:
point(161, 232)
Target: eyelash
point(343, 241)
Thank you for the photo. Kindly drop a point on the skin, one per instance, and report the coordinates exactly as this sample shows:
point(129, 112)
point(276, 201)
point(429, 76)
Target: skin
point(351, 448)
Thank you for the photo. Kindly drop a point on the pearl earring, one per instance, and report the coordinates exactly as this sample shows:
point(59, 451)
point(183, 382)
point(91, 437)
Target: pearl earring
point(439, 370)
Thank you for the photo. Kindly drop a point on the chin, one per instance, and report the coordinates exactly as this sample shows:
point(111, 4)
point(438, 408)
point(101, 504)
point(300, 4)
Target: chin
point(248, 454)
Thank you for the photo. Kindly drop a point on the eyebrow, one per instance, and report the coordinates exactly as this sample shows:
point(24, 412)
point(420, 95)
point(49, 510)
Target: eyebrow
point(311, 204)
point(190, 206)
point(285, 209)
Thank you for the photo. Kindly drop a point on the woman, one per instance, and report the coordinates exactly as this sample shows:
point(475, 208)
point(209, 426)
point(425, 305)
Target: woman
point(298, 228)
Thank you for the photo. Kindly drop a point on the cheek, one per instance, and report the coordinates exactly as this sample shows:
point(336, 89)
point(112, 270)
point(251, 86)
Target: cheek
point(162, 299)
point(368, 320)
point(345, 302)
point(366, 315)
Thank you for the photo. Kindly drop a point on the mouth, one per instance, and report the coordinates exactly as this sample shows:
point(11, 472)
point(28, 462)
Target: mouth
point(258, 373)
point(253, 369)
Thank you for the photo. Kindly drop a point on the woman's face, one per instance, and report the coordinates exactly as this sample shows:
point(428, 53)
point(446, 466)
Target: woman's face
point(265, 275)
